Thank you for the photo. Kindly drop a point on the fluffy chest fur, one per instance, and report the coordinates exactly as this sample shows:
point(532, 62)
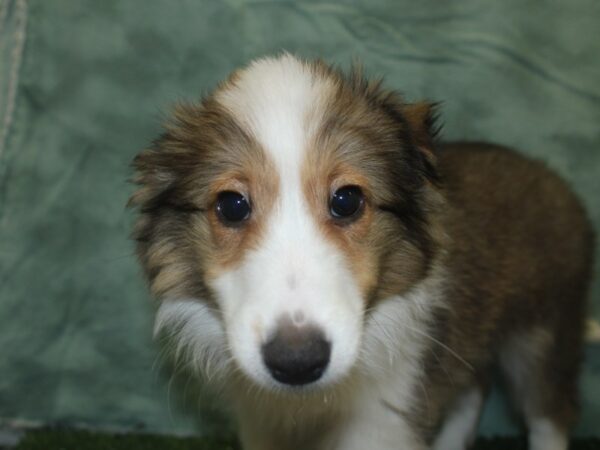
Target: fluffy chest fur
point(346, 282)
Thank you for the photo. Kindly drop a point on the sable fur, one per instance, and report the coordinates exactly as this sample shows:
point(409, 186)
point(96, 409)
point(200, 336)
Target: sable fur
point(520, 262)
point(466, 257)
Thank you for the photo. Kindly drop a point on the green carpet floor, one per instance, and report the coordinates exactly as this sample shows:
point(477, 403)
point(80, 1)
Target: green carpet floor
point(63, 439)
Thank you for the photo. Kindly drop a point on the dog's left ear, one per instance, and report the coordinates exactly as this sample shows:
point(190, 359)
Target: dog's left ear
point(422, 120)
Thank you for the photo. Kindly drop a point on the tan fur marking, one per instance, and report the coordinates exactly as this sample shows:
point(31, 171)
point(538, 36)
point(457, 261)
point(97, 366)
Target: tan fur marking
point(204, 151)
point(259, 184)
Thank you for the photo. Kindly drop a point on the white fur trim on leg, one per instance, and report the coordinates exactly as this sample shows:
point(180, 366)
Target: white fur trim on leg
point(544, 435)
point(460, 426)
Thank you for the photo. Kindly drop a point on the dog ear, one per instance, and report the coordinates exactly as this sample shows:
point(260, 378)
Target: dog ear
point(422, 118)
point(153, 174)
point(169, 157)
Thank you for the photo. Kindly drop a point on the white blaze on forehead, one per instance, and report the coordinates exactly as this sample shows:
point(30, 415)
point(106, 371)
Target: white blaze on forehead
point(275, 99)
point(280, 102)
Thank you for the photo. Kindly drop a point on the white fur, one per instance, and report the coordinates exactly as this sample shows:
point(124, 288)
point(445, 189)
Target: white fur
point(370, 408)
point(544, 435)
point(257, 294)
point(395, 339)
point(197, 333)
point(278, 101)
point(295, 271)
point(520, 359)
point(460, 427)
point(592, 331)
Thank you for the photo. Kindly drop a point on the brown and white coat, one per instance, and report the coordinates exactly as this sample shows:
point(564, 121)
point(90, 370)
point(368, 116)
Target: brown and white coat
point(463, 257)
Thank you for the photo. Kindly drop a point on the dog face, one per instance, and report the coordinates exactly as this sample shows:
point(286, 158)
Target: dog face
point(278, 212)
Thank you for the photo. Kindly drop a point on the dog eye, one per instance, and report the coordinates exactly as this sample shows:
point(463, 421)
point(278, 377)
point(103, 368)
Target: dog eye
point(232, 208)
point(346, 202)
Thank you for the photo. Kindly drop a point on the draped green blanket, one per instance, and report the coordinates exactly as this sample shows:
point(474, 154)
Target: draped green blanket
point(82, 87)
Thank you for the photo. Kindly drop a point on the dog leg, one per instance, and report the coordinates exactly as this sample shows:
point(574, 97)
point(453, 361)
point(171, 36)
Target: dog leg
point(460, 427)
point(541, 369)
point(545, 435)
point(375, 429)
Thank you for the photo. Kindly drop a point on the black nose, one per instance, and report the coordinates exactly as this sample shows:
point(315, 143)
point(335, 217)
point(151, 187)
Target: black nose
point(296, 355)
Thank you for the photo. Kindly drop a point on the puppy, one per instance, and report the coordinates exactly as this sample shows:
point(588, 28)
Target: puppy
point(346, 282)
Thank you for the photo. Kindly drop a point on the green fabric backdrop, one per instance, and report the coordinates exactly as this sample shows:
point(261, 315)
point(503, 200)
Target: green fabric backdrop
point(82, 87)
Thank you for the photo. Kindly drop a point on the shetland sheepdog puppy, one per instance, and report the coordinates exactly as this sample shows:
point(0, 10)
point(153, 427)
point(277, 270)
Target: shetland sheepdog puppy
point(347, 282)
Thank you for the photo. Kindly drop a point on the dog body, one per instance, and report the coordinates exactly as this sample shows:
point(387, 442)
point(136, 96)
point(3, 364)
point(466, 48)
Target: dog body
point(346, 282)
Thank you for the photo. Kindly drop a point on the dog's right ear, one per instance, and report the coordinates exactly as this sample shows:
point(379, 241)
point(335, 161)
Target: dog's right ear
point(152, 175)
point(158, 168)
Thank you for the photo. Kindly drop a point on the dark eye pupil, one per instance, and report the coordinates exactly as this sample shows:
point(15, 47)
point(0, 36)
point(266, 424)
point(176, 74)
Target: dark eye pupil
point(346, 201)
point(232, 207)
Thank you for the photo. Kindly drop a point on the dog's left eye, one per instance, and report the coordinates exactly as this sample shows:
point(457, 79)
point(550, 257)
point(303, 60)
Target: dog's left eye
point(232, 208)
point(346, 202)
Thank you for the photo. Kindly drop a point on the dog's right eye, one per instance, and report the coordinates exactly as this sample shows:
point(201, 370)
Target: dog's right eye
point(232, 208)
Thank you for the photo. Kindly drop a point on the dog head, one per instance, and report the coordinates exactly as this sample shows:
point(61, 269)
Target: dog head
point(276, 213)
